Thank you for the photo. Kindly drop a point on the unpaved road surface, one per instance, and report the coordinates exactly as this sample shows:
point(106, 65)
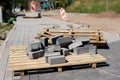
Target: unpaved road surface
point(106, 21)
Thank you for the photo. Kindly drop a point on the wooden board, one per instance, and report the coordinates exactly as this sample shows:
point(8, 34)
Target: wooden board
point(96, 37)
point(19, 61)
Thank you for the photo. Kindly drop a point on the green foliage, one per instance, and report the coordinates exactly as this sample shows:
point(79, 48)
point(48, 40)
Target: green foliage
point(5, 27)
point(93, 6)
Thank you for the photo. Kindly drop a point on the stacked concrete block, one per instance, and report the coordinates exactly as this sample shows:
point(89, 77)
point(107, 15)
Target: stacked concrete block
point(54, 39)
point(85, 40)
point(49, 54)
point(64, 41)
point(65, 51)
point(75, 44)
point(81, 50)
point(36, 45)
point(36, 54)
point(44, 41)
point(56, 59)
point(53, 48)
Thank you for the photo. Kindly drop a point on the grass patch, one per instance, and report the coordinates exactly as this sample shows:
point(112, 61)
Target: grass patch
point(93, 6)
point(5, 27)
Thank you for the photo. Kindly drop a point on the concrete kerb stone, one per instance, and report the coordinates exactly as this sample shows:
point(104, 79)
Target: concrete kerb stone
point(36, 45)
point(65, 51)
point(75, 44)
point(53, 48)
point(81, 50)
point(36, 54)
point(54, 39)
point(64, 41)
point(56, 59)
point(44, 41)
point(48, 54)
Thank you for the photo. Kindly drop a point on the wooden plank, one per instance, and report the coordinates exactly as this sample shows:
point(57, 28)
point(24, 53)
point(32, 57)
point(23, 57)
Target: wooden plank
point(18, 60)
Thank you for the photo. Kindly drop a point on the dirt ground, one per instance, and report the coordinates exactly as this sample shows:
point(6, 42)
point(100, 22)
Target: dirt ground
point(107, 21)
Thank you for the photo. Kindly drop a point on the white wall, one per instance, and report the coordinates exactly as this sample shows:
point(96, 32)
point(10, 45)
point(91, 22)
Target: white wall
point(1, 20)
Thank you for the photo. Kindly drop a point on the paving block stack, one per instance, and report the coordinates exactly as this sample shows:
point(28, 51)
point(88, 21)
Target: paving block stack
point(49, 54)
point(60, 48)
point(35, 50)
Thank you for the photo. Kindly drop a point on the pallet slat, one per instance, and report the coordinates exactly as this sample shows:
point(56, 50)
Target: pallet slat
point(19, 61)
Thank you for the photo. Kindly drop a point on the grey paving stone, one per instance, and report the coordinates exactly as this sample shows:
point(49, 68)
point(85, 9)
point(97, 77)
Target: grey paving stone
point(64, 41)
point(75, 44)
point(56, 59)
point(48, 54)
point(81, 50)
point(65, 51)
point(36, 45)
point(53, 48)
point(54, 39)
point(44, 41)
point(36, 54)
point(84, 40)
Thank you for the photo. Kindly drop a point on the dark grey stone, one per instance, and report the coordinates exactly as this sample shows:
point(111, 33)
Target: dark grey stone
point(48, 54)
point(75, 44)
point(64, 41)
point(56, 59)
point(44, 41)
point(54, 39)
point(53, 48)
point(65, 51)
point(84, 40)
point(36, 54)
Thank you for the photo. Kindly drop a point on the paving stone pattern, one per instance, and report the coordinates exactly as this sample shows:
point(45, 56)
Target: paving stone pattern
point(27, 29)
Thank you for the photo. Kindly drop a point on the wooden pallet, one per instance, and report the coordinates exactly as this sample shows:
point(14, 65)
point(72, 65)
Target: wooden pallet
point(96, 37)
point(19, 61)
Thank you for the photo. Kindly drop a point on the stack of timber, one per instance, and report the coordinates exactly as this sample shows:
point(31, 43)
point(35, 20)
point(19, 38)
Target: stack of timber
point(96, 36)
point(19, 61)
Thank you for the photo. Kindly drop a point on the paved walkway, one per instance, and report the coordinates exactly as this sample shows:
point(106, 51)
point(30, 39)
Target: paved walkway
point(23, 34)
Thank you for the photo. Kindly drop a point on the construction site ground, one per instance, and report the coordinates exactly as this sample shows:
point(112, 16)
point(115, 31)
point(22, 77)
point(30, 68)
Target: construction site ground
point(25, 30)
